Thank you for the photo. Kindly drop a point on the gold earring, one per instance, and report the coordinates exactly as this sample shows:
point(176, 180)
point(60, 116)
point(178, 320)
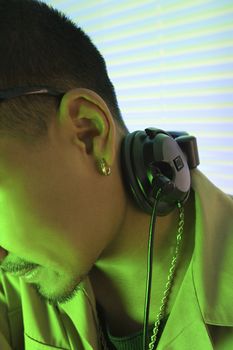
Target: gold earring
point(104, 168)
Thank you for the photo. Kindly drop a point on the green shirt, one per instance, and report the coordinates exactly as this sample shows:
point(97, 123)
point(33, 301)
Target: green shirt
point(200, 319)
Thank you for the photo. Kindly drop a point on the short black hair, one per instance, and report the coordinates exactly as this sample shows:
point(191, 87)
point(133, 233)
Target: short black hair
point(40, 45)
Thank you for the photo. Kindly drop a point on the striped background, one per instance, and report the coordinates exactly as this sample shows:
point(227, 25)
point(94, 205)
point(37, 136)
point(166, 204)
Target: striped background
point(171, 63)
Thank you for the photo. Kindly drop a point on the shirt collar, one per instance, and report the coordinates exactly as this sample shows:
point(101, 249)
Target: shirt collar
point(213, 254)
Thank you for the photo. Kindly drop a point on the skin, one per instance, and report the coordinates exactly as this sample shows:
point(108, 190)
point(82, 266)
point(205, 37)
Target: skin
point(59, 212)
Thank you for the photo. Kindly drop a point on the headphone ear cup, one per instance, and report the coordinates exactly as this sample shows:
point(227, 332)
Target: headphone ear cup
point(150, 160)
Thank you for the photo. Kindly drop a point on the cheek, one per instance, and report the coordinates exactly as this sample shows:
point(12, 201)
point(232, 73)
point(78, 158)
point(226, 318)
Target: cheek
point(25, 231)
point(57, 221)
point(10, 223)
point(50, 232)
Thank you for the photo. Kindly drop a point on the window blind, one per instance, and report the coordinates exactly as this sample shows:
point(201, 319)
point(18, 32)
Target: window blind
point(171, 63)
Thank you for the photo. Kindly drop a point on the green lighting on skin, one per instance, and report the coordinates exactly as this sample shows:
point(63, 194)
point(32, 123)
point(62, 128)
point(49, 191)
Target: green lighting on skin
point(33, 224)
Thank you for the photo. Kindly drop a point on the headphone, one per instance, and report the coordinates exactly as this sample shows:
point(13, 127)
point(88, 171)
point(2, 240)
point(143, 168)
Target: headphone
point(156, 154)
point(156, 161)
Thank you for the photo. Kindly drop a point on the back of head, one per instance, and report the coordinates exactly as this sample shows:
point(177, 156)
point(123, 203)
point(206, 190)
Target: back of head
point(40, 45)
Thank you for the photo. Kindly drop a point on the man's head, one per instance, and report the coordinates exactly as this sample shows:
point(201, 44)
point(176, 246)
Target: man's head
point(57, 211)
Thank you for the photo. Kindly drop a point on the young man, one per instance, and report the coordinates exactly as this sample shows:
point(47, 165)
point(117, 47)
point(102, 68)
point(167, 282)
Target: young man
point(66, 217)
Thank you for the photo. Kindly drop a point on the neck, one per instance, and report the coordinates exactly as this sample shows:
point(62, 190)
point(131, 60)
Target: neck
point(119, 276)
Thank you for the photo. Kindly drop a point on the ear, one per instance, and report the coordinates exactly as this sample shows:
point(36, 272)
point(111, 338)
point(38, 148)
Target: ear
point(92, 122)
